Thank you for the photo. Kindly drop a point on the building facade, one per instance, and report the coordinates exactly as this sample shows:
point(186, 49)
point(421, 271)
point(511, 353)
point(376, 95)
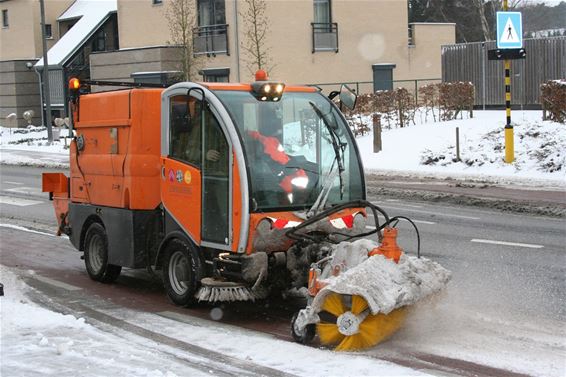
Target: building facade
point(307, 42)
point(20, 49)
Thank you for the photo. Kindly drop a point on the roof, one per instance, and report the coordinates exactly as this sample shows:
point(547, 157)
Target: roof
point(92, 14)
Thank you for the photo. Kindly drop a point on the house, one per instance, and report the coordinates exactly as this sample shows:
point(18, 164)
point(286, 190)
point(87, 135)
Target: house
point(309, 41)
point(367, 43)
point(20, 49)
point(74, 29)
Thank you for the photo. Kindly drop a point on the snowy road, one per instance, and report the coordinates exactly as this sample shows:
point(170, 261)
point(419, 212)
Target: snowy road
point(503, 311)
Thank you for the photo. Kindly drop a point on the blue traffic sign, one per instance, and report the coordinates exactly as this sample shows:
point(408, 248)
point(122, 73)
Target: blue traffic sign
point(509, 30)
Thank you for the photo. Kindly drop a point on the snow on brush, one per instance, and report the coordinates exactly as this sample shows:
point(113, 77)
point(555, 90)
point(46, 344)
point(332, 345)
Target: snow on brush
point(393, 285)
point(39, 342)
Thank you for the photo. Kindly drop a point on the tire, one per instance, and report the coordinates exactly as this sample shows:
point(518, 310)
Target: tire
point(306, 336)
point(96, 255)
point(182, 272)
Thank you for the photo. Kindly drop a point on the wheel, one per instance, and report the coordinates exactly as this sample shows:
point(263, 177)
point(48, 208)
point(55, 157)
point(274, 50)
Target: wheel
point(96, 255)
point(182, 272)
point(306, 335)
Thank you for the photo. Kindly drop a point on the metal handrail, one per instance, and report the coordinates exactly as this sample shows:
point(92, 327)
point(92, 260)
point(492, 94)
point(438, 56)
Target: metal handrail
point(324, 28)
point(210, 33)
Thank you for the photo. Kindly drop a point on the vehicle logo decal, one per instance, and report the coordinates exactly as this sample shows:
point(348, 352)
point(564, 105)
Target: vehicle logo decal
point(171, 175)
point(188, 177)
point(179, 176)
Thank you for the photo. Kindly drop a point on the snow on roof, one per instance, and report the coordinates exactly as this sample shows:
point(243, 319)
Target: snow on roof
point(92, 14)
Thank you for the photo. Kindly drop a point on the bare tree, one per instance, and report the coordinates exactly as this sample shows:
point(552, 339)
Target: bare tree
point(256, 30)
point(480, 6)
point(180, 15)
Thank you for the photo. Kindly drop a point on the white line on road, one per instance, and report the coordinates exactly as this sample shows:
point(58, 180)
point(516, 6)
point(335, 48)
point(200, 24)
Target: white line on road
point(25, 190)
point(433, 213)
point(18, 201)
point(532, 246)
point(13, 183)
point(416, 221)
point(24, 229)
point(56, 283)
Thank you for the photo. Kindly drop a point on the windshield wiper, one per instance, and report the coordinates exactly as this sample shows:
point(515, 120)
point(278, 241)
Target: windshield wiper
point(339, 148)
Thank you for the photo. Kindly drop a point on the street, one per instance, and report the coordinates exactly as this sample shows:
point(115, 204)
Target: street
point(505, 301)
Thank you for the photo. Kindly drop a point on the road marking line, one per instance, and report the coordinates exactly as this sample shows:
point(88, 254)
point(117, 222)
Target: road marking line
point(532, 246)
point(415, 221)
point(18, 201)
point(424, 222)
point(433, 213)
point(13, 183)
point(25, 190)
point(24, 229)
point(56, 283)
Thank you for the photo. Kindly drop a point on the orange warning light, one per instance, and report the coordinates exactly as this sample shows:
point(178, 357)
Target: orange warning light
point(74, 83)
point(261, 75)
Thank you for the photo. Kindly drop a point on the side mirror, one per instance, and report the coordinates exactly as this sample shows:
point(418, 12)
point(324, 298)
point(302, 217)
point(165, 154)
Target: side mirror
point(348, 97)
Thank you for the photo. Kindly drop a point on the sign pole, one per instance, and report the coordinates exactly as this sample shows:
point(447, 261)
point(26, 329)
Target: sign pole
point(509, 137)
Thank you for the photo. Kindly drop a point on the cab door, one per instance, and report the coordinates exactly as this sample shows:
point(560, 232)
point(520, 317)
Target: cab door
point(195, 170)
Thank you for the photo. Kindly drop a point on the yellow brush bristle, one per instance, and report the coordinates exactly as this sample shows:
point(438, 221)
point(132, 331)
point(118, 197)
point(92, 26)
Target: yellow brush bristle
point(373, 330)
point(358, 304)
point(333, 304)
point(328, 333)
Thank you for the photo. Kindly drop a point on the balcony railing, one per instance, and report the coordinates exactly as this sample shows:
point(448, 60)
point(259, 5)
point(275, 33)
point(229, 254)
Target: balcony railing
point(324, 36)
point(211, 39)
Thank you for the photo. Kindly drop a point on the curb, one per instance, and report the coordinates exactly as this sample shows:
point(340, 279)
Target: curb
point(505, 205)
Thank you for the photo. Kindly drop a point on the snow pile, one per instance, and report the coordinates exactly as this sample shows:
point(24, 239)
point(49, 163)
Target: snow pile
point(34, 137)
point(384, 284)
point(429, 149)
point(29, 147)
point(542, 148)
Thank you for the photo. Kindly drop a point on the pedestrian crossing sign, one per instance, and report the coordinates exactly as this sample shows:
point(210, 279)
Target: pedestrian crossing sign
point(509, 30)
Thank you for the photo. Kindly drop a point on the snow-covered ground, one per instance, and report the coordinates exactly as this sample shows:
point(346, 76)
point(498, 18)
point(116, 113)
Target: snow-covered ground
point(429, 148)
point(36, 341)
point(426, 148)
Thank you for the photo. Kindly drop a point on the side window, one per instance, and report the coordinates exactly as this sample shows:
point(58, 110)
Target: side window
point(185, 134)
point(214, 141)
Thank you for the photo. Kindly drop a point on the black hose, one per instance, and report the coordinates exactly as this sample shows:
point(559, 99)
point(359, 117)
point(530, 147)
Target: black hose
point(397, 218)
point(292, 233)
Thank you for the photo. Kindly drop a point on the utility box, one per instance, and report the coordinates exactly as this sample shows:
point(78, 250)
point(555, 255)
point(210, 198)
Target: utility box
point(382, 76)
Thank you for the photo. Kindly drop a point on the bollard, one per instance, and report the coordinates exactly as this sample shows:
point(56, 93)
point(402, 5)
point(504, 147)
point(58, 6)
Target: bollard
point(458, 144)
point(376, 133)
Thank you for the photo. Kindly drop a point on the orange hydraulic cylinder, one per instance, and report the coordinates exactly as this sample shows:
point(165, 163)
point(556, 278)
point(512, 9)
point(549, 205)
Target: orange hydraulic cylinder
point(388, 248)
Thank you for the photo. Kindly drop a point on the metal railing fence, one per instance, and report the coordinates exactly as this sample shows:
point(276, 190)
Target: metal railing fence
point(211, 39)
point(545, 60)
point(324, 36)
point(362, 87)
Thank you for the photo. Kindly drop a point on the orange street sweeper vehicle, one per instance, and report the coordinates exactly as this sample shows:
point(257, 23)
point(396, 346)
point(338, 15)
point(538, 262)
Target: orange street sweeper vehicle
point(235, 192)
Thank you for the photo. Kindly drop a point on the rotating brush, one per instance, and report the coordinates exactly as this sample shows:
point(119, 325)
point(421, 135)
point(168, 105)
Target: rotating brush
point(351, 326)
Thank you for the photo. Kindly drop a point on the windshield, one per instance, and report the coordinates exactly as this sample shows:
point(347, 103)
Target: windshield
point(292, 146)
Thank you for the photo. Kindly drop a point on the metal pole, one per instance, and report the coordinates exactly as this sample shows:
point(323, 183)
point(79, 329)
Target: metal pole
point(46, 92)
point(509, 140)
point(483, 76)
point(237, 40)
point(40, 95)
point(458, 144)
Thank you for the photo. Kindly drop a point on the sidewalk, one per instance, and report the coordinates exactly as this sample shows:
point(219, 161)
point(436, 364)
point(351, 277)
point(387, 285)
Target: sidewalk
point(25, 157)
point(511, 197)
